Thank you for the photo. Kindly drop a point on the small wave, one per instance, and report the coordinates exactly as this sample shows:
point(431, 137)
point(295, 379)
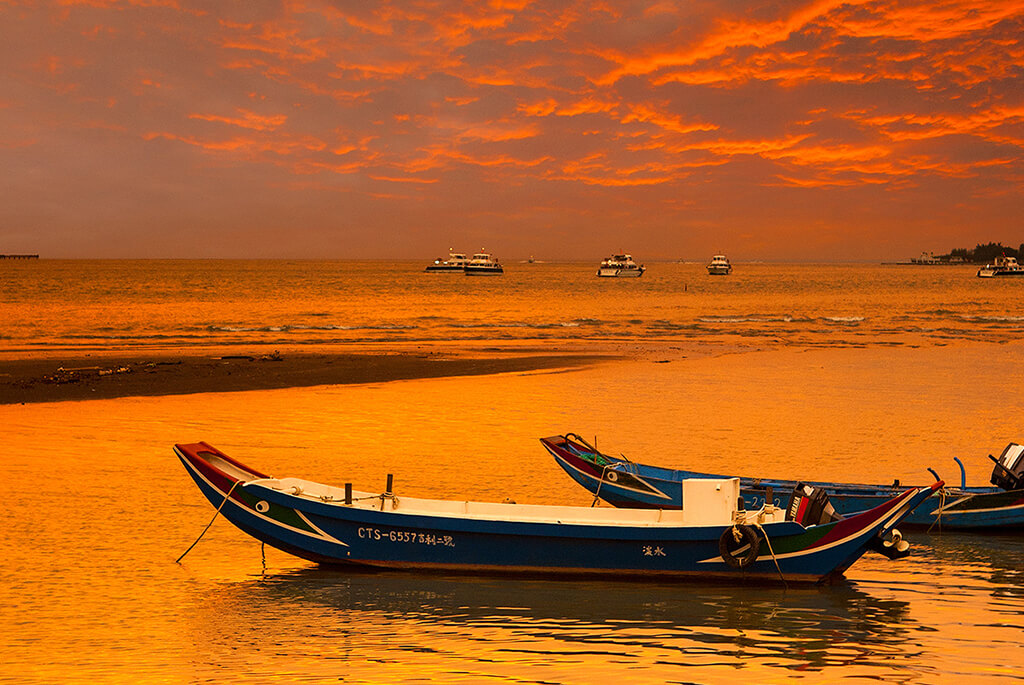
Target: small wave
point(991, 318)
point(288, 328)
point(131, 336)
point(845, 320)
point(662, 325)
point(532, 325)
point(745, 319)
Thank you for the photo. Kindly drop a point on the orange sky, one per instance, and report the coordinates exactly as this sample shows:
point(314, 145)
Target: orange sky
point(805, 130)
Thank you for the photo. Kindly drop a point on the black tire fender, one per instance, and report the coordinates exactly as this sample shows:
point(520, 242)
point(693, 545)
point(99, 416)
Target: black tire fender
point(739, 546)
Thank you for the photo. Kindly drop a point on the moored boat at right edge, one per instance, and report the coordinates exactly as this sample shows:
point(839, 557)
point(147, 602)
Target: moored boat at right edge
point(628, 484)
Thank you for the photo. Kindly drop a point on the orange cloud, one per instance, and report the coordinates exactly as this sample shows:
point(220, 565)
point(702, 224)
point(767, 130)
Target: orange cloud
point(250, 120)
point(246, 144)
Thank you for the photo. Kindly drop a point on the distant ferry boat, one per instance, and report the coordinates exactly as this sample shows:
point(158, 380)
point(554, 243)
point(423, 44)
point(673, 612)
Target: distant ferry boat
point(620, 266)
point(719, 266)
point(1001, 266)
point(456, 263)
point(483, 263)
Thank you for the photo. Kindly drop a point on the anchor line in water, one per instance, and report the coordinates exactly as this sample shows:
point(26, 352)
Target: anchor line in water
point(215, 515)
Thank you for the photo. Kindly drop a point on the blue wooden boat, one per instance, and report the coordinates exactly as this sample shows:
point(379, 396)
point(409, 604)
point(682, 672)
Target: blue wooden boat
point(624, 483)
point(711, 538)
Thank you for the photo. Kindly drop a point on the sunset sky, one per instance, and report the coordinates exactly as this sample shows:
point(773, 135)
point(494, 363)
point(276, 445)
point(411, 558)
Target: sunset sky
point(799, 131)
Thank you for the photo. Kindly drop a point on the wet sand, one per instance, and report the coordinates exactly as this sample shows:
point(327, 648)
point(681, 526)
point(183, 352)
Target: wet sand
point(104, 377)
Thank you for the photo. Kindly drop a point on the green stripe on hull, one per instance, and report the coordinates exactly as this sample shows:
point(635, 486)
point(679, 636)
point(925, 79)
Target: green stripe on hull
point(799, 543)
point(283, 515)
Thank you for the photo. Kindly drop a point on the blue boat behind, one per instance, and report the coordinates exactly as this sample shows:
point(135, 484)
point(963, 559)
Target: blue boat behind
point(627, 484)
point(709, 539)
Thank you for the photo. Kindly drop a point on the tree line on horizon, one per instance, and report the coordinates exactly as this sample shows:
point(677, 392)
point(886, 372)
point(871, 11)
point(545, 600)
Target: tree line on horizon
point(983, 253)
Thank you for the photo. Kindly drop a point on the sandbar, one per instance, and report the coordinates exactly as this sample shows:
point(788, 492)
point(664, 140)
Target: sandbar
point(81, 377)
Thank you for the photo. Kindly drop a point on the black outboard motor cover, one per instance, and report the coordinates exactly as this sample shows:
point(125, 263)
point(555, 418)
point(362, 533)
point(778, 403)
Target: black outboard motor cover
point(809, 506)
point(1009, 471)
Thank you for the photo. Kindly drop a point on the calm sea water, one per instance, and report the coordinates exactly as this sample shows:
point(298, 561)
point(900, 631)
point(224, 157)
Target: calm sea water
point(53, 304)
point(881, 373)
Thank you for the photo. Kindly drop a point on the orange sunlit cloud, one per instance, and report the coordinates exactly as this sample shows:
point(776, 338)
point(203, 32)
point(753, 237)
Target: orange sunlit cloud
point(673, 128)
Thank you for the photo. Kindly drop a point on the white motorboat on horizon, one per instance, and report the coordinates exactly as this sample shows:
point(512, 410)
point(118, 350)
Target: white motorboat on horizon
point(1001, 266)
point(456, 263)
point(620, 266)
point(719, 266)
point(483, 264)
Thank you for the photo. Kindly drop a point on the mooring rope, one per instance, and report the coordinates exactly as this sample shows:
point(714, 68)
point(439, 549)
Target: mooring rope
point(772, 551)
point(938, 516)
point(600, 482)
point(215, 514)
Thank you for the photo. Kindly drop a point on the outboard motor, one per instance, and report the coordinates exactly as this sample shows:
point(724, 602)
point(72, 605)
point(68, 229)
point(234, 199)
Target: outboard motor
point(1009, 471)
point(809, 506)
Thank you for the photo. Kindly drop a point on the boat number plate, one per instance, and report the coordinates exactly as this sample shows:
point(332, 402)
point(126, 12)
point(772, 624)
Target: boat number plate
point(406, 537)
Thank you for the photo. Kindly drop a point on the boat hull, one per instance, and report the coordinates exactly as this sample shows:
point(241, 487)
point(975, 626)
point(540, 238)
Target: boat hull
point(360, 533)
point(620, 273)
point(988, 273)
point(630, 485)
point(483, 271)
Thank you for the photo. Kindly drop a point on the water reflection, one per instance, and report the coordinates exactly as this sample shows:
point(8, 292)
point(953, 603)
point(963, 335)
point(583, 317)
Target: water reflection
point(953, 606)
point(993, 561)
point(805, 629)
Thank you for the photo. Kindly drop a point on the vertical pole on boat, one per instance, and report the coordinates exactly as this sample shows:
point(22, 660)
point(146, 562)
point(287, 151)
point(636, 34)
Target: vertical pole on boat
point(963, 473)
point(348, 493)
point(387, 491)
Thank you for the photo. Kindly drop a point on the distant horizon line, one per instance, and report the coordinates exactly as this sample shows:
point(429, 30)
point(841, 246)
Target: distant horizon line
point(524, 260)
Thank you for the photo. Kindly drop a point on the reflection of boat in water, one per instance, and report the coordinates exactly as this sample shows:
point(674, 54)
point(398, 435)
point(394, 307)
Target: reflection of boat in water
point(456, 263)
point(620, 266)
point(476, 599)
point(712, 538)
point(625, 483)
point(1001, 266)
point(483, 263)
point(563, 618)
point(719, 266)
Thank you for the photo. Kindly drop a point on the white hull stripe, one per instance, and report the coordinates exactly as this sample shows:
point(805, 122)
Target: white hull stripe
point(321, 535)
point(656, 492)
point(945, 511)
